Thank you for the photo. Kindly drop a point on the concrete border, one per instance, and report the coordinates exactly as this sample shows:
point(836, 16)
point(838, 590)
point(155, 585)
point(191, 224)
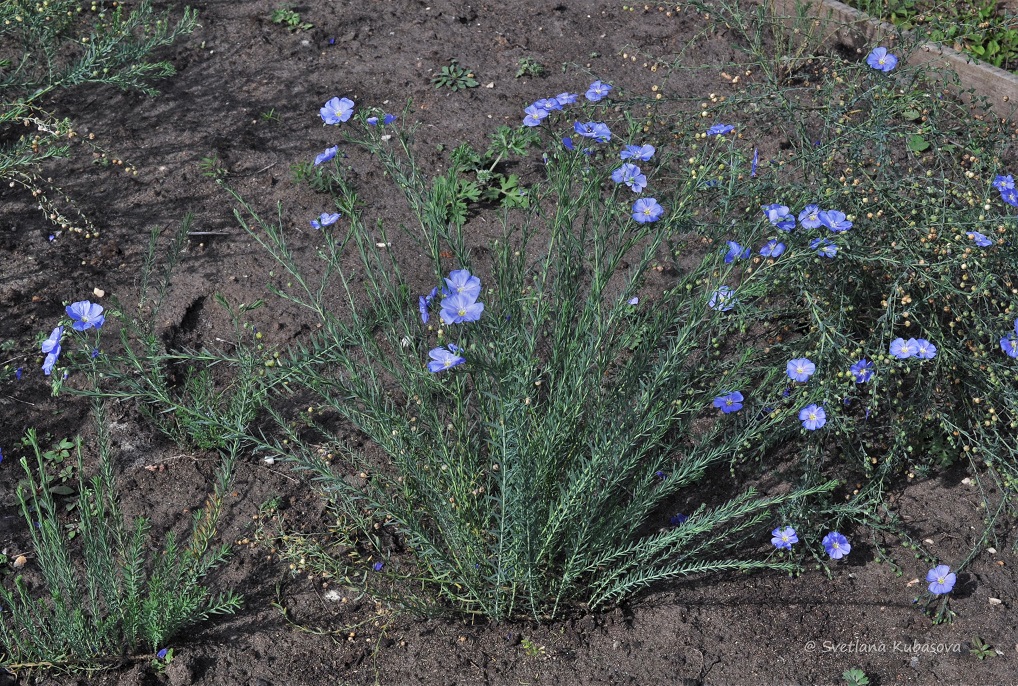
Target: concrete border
point(856, 29)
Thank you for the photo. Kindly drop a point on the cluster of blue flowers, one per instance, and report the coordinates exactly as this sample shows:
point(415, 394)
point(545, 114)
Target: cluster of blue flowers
point(835, 543)
point(1005, 184)
point(458, 305)
point(336, 111)
point(800, 370)
point(941, 579)
point(84, 315)
point(913, 347)
point(645, 210)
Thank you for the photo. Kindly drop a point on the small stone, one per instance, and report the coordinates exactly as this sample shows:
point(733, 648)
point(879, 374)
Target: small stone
point(991, 551)
point(20, 561)
point(996, 601)
point(98, 292)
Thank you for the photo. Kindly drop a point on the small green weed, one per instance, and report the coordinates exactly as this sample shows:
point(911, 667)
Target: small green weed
point(981, 649)
point(212, 167)
point(528, 66)
point(855, 677)
point(531, 648)
point(454, 77)
point(270, 117)
point(290, 18)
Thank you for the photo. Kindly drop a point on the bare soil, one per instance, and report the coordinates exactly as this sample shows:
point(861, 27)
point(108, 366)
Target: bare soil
point(759, 629)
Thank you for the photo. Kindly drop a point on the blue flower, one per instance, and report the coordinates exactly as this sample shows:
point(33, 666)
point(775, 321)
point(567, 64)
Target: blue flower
point(862, 371)
point(325, 219)
point(812, 417)
point(1003, 183)
point(835, 221)
point(601, 133)
point(567, 143)
point(722, 300)
point(534, 115)
point(824, 247)
point(462, 282)
point(728, 403)
point(736, 252)
point(678, 519)
point(460, 308)
point(597, 91)
point(442, 359)
point(1010, 196)
point(784, 538)
point(549, 105)
point(372, 121)
point(1009, 344)
point(630, 175)
point(567, 98)
point(337, 110)
point(1, 456)
point(772, 248)
point(378, 566)
point(941, 579)
point(881, 60)
point(327, 155)
point(809, 218)
point(903, 349)
point(800, 369)
point(778, 216)
point(720, 130)
point(161, 655)
point(85, 315)
point(423, 302)
point(51, 346)
point(754, 162)
point(633, 301)
point(646, 210)
point(17, 373)
point(981, 240)
point(836, 545)
point(637, 152)
point(924, 349)
point(593, 129)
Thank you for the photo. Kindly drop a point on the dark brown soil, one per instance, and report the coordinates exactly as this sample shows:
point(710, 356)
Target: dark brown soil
point(759, 629)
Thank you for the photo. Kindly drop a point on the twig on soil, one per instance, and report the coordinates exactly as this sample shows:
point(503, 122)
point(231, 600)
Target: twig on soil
point(19, 400)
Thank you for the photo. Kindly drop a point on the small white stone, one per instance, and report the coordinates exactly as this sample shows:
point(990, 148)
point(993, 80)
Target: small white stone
point(996, 601)
point(98, 292)
point(332, 594)
point(269, 460)
point(991, 551)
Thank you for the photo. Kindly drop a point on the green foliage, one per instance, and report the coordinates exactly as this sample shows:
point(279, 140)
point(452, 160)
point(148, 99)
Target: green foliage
point(114, 597)
point(290, 18)
point(855, 677)
point(54, 48)
point(981, 649)
point(908, 268)
point(180, 391)
point(454, 77)
point(524, 485)
point(212, 167)
point(984, 29)
point(528, 66)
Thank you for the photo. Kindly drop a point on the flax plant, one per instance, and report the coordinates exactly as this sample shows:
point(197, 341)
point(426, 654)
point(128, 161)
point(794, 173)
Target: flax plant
point(532, 479)
point(113, 597)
